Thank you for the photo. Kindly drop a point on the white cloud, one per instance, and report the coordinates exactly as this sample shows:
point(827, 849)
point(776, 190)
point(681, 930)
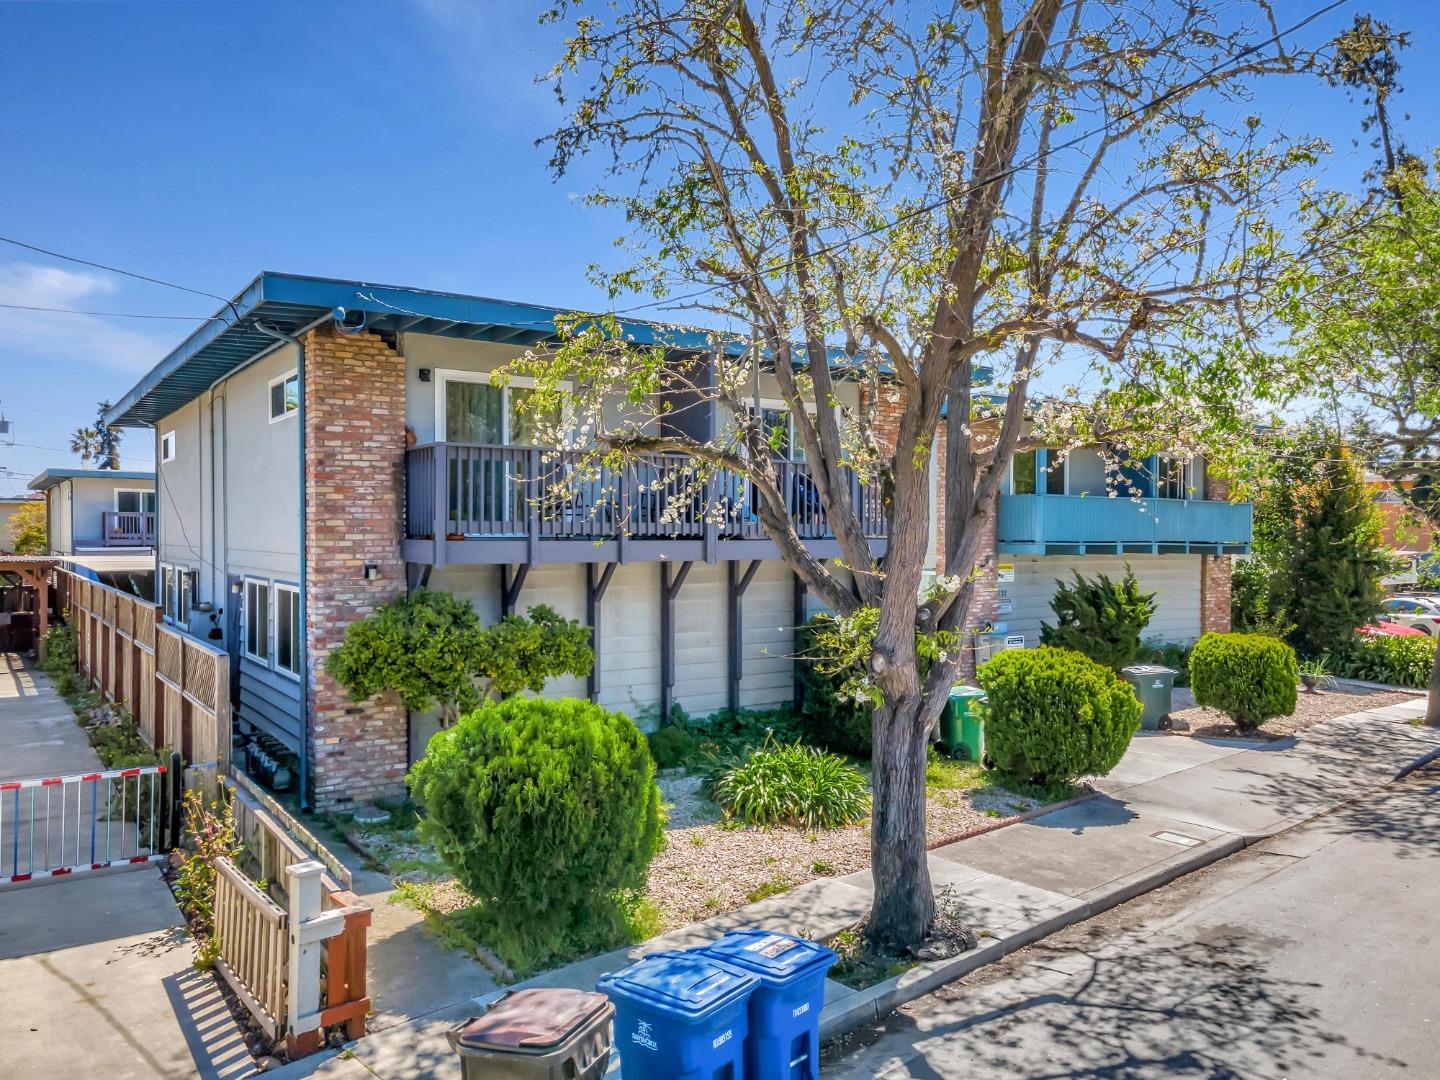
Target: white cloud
point(54, 337)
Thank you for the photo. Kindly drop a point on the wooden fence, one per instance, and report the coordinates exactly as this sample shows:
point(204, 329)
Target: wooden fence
point(337, 994)
point(177, 687)
point(253, 950)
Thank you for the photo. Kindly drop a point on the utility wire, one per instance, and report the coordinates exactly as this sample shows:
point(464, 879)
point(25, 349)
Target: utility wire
point(111, 314)
point(1005, 173)
point(124, 273)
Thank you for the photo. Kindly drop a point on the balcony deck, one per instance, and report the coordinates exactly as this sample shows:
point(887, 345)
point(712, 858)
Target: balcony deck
point(1096, 525)
point(473, 503)
point(127, 528)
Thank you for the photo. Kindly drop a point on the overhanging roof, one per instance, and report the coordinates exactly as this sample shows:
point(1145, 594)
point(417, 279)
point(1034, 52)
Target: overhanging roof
point(290, 302)
point(50, 477)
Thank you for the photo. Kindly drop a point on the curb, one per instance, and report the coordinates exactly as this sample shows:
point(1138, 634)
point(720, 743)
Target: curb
point(1027, 815)
point(872, 1004)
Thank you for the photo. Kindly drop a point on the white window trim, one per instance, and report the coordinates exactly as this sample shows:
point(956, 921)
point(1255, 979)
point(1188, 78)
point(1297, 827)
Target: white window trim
point(136, 491)
point(167, 588)
point(286, 413)
point(263, 661)
point(167, 446)
point(276, 589)
point(183, 579)
point(440, 376)
point(784, 406)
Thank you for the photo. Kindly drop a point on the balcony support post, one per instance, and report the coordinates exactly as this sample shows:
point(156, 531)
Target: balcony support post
point(797, 618)
point(672, 580)
point(440, 464)
point(511, 582)
point(595, 586)
point(735, 622)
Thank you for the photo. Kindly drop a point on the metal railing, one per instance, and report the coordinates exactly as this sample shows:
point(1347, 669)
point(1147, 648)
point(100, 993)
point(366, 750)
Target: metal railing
point(127, 528)
point(480, 490)
point(61, 825)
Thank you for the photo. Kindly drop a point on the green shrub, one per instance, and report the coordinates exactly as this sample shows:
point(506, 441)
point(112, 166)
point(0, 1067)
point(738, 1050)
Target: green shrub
point(430, 648)
point(672, 745)
point(1102, 619)
point(795, 785)
point(548, 813)
point(60, 652)
point(1167, 654)
point(1249, 677)
point(1399, 661)
point(1052, 715)
point(828, 716)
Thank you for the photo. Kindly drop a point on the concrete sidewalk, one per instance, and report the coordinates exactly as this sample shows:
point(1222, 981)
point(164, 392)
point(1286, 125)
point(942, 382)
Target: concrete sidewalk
point(1172, 805)
point(96, 976)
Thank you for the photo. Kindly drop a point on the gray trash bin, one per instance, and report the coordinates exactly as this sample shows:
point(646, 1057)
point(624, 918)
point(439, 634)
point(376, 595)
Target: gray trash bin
point(1154, 686)
point(537, 1035)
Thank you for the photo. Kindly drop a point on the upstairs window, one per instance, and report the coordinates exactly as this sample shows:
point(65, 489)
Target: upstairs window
point(167, 446)
point(1022, 474)
point(185, 598)
point(257, 621)
point(134, 501)
point(1172, 478)
point(284, 396)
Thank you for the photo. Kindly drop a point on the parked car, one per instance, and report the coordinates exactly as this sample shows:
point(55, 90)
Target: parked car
point(1389, 629)
point(1419, 612)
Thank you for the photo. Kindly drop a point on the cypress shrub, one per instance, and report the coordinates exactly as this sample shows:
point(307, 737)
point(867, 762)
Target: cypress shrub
point(1249, 677)
point(1101, 618)
point(547, 812)
point(1053, 715)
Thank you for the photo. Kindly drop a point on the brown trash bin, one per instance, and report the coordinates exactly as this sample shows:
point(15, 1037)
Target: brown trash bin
point(537, 1035)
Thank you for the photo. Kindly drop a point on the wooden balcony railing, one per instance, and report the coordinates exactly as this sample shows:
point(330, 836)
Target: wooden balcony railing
point(471, 490)
point(127, 528)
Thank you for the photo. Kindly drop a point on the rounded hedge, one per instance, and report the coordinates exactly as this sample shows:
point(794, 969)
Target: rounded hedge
point(548, 813)
point(1249, 677)
point(1053, 715)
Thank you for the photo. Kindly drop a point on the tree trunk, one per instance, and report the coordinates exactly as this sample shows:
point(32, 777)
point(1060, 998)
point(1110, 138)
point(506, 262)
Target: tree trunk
point(1432, 707)
point(904, 907)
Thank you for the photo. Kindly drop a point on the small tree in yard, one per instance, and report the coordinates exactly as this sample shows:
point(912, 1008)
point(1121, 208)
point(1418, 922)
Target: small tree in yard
point(869, 192)
point(27, 529)
point(1319, 538)
point(1101, 618)
point(430, 648)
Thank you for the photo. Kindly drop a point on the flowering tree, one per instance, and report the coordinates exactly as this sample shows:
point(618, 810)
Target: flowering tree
point(862, 191)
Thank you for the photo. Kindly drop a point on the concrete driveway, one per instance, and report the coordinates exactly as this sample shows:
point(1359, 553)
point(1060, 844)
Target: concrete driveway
point(96, 976)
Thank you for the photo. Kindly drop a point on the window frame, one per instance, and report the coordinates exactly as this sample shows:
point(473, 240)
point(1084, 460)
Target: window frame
point(167, 591)
point(136, 491)
point(276, 589)
point(261, 585)
point(167, 447)
point(281, 380)
point(185, 584)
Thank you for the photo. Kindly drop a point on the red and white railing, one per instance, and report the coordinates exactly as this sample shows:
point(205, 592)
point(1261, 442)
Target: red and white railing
point(61, 825)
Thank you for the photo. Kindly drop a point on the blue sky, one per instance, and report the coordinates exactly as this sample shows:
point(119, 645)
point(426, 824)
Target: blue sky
point(389, 140)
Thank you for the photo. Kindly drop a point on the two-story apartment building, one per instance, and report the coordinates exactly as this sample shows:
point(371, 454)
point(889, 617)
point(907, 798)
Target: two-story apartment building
point(102, 523)
point(325, 445)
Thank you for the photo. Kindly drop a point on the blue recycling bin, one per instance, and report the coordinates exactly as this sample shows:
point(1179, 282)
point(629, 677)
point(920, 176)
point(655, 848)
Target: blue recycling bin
point(680, 1016)
point(784, 1041)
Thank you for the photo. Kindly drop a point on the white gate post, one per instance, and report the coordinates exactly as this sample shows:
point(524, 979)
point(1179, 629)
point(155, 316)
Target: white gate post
point(307, 926)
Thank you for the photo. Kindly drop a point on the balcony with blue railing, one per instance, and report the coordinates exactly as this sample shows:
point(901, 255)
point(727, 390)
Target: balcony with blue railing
point(1100, 525)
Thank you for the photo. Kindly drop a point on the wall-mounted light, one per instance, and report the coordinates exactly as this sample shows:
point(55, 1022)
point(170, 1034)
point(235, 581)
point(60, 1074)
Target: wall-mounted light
point(235, 587)
point(372, 571)
point(424, 374)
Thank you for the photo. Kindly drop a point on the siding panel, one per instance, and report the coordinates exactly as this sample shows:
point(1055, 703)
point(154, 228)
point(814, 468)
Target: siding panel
point(270, 703)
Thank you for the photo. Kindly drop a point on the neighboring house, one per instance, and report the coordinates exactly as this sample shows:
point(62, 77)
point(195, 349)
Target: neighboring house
point(8, 505)
point(102, 522)
point(1408, 537)
point(325, 445)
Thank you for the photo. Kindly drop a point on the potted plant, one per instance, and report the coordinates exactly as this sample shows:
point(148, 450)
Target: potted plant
point(1313, 672)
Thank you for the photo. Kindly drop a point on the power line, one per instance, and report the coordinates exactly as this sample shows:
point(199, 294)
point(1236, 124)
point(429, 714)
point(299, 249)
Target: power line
point(1005, 173)
point(124, 273)
point(112, 314)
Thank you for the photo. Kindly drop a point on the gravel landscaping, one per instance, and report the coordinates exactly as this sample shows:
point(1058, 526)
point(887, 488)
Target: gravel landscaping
point(709, 866)
point(1337, 700)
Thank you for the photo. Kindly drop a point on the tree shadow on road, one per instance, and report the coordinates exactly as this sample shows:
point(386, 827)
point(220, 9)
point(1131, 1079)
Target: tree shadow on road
point(1207, 1009)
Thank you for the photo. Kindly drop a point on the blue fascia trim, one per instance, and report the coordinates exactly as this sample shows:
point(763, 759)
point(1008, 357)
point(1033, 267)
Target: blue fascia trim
point(50, 477)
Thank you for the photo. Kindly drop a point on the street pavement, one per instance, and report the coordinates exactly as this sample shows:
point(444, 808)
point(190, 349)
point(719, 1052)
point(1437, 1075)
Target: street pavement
point(1312, 954)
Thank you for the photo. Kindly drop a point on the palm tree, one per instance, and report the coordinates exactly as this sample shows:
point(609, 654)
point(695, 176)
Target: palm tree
point(107, 440)
point(85, 442)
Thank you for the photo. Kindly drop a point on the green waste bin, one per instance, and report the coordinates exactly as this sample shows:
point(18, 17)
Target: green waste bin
point(962, 733)
point(1154, 686)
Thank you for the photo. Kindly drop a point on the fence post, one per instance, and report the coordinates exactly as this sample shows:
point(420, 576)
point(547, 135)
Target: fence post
point(307, 926)
point(177, 798)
